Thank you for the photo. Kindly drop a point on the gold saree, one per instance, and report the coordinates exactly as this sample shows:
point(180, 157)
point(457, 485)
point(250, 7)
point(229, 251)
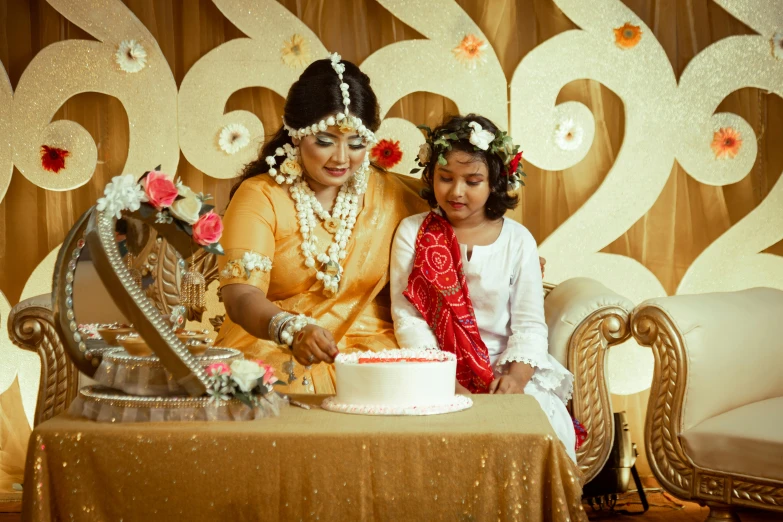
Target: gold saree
point(261, 221)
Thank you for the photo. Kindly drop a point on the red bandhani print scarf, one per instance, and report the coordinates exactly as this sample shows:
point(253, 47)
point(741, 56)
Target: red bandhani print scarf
point(439, 291)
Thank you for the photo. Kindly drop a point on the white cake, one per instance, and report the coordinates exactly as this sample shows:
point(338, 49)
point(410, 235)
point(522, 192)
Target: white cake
point(396, 382)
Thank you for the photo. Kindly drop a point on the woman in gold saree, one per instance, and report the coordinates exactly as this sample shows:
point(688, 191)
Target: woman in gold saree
point(308, 233)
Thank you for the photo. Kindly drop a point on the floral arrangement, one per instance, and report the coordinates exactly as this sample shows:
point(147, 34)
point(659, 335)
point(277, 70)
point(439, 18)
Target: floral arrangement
point(169, 201)
point(501, 144)
point(248, 381)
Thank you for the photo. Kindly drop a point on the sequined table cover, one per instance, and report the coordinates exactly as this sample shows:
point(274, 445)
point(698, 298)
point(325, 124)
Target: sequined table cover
point(498, 460)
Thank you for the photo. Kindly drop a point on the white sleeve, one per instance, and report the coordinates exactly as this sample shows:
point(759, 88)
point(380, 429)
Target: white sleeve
point(529, 333)
point(410, 328)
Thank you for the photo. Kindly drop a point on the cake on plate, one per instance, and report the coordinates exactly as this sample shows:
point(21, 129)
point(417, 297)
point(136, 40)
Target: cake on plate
point(396, 382)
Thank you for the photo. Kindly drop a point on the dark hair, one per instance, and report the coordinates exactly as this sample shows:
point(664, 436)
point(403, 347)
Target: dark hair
point(499, 198)
point(313, 97)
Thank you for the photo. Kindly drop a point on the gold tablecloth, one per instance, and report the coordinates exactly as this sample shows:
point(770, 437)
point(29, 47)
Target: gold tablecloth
point(498, 460)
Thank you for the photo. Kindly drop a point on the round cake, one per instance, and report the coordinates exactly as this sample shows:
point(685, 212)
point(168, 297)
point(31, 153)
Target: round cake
point(396, 382)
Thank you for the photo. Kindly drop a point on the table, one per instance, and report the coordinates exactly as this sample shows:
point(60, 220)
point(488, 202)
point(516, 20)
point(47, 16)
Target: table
point(498, 460)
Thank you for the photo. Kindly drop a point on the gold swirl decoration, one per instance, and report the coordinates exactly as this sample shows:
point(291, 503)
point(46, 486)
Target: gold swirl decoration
point(399, 69)
point(733, 261)
point(244, 62)
point(148, 95)
point(6, 162)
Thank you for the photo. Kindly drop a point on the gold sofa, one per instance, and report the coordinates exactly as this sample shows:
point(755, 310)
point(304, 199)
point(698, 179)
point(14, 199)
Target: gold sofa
point(714, 430)
point(584, 318)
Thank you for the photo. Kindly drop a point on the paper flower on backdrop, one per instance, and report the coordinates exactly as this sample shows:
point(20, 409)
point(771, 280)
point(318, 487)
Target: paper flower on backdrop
point(295, 52)
point(726, 143)
point(568, 135)
point(131, 56)
point(627, 36)
point(233, 138)
point(386, 153)
point(470, 51)
point(777, 45)
point(53, 159)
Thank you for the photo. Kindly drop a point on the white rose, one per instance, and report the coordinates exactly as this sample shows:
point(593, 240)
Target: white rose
point(187, 208)
point(480, 137)
point(246, 374)
point(425, 152)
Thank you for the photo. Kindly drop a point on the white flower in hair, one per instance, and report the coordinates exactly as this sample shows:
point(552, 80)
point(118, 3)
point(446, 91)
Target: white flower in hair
point(122, 193)
point(233, 138)
point(568, 135)
point(425, 152)
point(479, 137)
point(131, 56)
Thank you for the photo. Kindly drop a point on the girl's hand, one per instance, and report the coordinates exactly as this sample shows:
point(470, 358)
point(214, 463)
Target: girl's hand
point(506, 384)
point(313, 345)
point(542, 262)
point(460, 389)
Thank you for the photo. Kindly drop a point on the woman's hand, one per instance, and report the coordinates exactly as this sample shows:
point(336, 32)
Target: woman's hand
point(542, 262)
point(313, 345)
point(506, 384)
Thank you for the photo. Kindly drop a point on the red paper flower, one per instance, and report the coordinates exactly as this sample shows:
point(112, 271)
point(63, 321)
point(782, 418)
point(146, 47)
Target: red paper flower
point(512, 167)
point(53, 159)
point(386, 153)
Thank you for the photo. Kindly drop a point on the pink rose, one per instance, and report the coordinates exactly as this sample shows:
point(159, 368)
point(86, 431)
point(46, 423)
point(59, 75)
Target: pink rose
point(269, 374)
point(160, 190)
point(218, 368)
point(208, 229)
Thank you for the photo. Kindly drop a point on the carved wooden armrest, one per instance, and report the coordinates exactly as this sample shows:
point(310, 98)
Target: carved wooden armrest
point(31, 327)
point(585, 318)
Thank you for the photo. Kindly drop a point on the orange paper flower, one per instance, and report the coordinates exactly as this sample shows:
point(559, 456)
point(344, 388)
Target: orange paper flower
point(627, 36)
point(53, 159)
point(386, 153)
point(470, 51)
point(726, 143)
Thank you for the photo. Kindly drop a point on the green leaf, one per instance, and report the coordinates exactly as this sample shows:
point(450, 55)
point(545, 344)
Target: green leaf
point(183, 227)
point(246, 399)
point(215, 248)
point(442, 160)
point(415, 171)
point(453, 136)
point(146, 210)
point(205, 209)
point(157, 168)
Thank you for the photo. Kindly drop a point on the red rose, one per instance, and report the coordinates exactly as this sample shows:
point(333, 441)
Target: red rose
point(208, 229)
point(160, 190)
point(512, 167)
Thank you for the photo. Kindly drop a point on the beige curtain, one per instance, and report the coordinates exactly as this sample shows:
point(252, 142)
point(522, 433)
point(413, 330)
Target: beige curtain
point(686, 218)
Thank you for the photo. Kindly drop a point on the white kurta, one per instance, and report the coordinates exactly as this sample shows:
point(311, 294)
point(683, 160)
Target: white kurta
point(504, 281)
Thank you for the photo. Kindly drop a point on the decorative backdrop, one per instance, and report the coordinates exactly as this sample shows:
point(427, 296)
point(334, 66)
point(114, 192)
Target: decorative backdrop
point(651, 128)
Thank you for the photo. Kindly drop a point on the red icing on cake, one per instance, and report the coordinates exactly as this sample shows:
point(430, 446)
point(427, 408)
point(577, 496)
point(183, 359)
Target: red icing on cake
point(371, 360)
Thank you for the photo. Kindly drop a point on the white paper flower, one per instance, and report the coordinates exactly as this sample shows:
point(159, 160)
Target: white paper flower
point(568, 135)
point(233, 138)
point(246, 374)
point(479, 137)
point(131, 56)
point(777, 45)
point(186, 208)
point(425, 152)
point(122, 193)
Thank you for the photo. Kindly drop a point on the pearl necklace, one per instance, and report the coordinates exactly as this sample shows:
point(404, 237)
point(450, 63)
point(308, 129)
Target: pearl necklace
point(339, 222)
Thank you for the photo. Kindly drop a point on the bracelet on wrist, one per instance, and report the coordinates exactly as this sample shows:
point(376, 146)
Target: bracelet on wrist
point(292, 327)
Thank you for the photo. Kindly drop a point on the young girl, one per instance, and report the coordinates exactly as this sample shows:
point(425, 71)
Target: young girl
point(466, 280)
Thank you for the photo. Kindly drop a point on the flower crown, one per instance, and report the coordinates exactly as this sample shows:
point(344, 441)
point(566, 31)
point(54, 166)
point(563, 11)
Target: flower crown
point(347, 122)
point(439, 143)
point(169, 201)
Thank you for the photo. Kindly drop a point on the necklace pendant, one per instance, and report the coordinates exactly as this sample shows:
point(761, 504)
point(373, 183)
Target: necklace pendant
point(331, 268)
point(332, 225)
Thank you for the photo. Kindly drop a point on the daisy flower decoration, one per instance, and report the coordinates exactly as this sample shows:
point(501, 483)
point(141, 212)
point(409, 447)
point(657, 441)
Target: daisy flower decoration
point(131, 56)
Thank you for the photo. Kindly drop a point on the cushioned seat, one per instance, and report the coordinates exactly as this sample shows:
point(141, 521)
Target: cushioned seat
point(747, 440)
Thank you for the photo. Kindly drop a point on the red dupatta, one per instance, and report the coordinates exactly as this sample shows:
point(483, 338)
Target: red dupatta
point(438, 290)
